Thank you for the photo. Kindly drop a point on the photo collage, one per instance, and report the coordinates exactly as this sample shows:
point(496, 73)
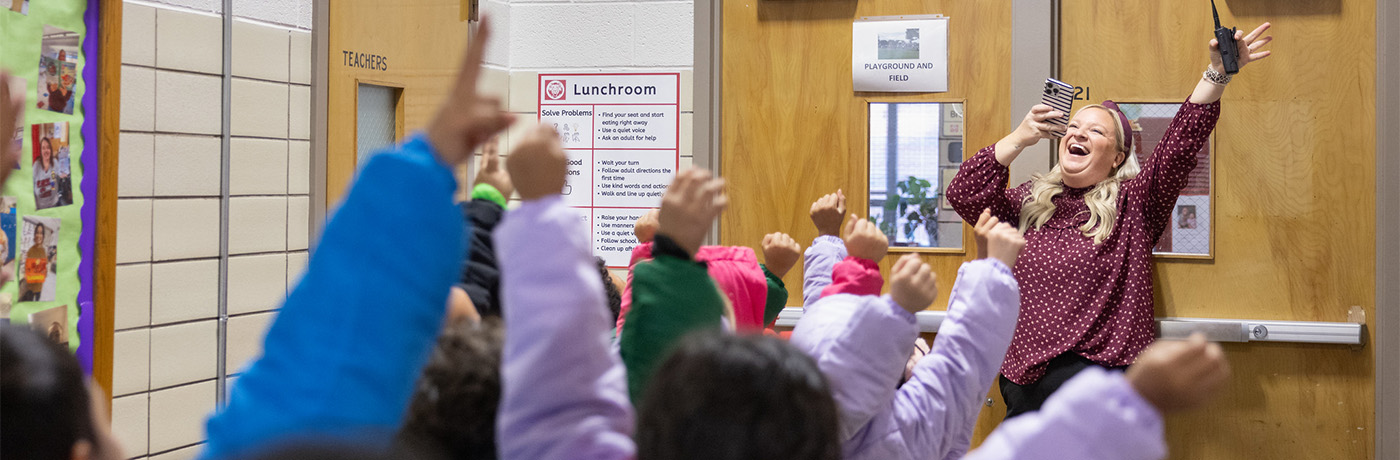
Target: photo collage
point(30, 238)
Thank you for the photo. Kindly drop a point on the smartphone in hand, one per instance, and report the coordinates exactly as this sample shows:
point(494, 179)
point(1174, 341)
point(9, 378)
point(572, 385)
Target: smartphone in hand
point(1060, 96)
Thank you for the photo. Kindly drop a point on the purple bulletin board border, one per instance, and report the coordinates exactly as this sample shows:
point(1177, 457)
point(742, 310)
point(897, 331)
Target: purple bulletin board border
point(88, 215)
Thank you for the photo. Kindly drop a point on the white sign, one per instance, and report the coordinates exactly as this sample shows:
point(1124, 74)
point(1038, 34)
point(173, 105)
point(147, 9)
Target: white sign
point(621, 132)
point(900, 54)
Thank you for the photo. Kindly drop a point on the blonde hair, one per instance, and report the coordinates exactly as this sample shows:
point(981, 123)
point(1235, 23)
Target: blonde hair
point(1102, 199)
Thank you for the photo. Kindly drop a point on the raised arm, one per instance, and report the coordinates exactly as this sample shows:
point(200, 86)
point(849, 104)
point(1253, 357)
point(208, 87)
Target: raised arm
point(860, 340)
point(780, 253)
point(336, 363)
point(1165, 173)
point(673, 294)
point(564, 393)
point(827, 249)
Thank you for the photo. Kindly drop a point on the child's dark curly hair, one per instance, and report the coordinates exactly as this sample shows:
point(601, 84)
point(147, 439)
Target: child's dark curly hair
point(613, 290)
point(454, 404)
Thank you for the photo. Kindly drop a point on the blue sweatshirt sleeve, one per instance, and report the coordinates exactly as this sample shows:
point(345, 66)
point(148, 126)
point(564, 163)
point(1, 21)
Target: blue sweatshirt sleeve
point(341, 358)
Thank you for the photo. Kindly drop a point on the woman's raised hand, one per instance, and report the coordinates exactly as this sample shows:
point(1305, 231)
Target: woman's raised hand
point(1249, 46)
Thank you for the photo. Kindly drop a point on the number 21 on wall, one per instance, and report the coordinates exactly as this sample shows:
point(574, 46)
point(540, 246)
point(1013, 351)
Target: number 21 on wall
point(1081, 93)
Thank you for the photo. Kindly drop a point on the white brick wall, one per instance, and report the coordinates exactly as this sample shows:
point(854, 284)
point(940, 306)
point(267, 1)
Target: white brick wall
point(168, 211)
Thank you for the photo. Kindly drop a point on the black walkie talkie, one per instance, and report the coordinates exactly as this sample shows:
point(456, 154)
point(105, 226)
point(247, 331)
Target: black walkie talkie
point(1229, 53)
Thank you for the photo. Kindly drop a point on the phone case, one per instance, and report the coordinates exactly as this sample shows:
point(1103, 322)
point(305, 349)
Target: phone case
point(1060, 96)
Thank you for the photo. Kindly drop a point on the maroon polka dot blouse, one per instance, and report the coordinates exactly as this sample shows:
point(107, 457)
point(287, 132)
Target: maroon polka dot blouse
point(1093, 300)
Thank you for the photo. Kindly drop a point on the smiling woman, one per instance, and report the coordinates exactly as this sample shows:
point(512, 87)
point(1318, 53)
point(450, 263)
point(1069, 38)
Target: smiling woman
point(1090, 225)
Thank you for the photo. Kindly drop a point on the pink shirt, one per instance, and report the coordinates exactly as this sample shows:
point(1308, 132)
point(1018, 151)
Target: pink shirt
point(1093, 300)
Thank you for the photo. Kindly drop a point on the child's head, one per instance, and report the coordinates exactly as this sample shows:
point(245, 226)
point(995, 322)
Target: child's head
point(730, 397)
point(47, 408)
point(454, 404)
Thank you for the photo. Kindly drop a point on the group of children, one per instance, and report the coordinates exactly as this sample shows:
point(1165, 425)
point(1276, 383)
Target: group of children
point(533, 358)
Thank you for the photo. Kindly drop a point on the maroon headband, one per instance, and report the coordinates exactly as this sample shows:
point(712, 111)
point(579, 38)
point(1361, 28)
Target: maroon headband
point(1127, 127)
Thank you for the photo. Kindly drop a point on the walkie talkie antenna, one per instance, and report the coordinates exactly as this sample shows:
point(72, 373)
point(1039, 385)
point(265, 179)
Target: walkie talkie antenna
point(1215, 13)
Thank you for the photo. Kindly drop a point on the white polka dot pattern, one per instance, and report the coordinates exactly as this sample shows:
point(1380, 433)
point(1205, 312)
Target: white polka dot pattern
point(1094, 300)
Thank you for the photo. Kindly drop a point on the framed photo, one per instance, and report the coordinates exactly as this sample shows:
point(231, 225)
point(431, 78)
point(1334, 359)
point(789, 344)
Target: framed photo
point(1189, 233)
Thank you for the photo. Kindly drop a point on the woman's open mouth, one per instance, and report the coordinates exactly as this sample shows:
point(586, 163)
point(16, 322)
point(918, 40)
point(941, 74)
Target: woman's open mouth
point(1078, 149)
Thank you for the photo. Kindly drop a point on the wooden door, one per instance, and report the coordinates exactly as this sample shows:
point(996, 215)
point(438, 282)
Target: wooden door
point(413, 45)
point(1294, 206)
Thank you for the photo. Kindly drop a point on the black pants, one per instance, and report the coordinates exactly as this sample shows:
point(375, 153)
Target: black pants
point(1028, 398)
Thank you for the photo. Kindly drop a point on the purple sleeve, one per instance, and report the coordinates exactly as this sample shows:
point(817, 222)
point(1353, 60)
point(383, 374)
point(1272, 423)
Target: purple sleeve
point(1165, 173)
point(981, 184)
point(936, 410)
point(564, 392)
point(1096, 415)
point(861, 344)
point(821, 257)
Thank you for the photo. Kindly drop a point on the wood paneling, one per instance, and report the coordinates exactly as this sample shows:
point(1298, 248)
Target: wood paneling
point(1294, 206)
point(793, 129)
point(1294, 182)
point(104, 276)
point(423, 41)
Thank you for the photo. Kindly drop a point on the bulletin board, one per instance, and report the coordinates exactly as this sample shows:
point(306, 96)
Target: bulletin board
point(46, 206)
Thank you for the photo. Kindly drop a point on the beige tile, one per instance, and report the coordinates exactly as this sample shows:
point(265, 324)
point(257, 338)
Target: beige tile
point(133, 296)
point(185, 228)
point(245, 339)
point(524, 92)
point(257, 224)
point(188, 103)
point(131, 362)
point(184, 291)
point(256, 283)
point(138, 35)
point(130, 423)
point(687, 91)
point(257, 166)
point(188, 453)
point(135, 166)
point(177, 415)
point(188, 165)
point(299, 113)
point(301, 58)
point(138, 109)
point(184, 353)
point(298, 167)
point(495, 82)
point(260, 51)
point(296, 265)
point(259, 109)
point(298, 219)
point(188, 41)
point(133, 230)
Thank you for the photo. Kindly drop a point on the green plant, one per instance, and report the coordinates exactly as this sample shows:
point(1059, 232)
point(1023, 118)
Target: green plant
point(917, 202)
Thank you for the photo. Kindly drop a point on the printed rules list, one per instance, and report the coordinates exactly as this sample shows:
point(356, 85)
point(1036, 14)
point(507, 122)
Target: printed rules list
point(621, 133)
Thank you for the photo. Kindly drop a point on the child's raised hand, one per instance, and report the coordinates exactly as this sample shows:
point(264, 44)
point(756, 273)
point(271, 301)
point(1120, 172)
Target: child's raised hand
point(1004, 243)
point(467, 118)
point(645, 228)
point(828, 212)
point(538, 166)
point(913, 285)
point(865, 240)
point(780, 253)
point(1176, 375)
point(690, 206)
point(491, 171)
point(985, 223)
